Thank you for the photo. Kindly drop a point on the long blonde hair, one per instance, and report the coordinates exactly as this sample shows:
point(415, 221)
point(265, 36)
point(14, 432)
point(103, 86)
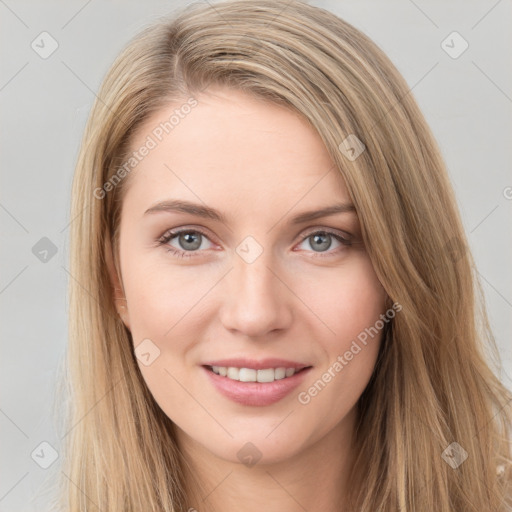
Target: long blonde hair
point(432, 385)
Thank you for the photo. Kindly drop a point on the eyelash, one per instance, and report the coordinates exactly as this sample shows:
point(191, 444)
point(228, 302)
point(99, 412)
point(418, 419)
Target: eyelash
point(169, 235)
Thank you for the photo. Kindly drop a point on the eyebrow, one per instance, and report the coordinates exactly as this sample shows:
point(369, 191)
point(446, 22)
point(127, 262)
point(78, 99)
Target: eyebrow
point(210, 213)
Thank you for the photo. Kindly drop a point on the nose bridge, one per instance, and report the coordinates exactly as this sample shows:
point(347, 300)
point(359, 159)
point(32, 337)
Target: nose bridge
point(253, 263)
point(255, 281)
point(258, 301)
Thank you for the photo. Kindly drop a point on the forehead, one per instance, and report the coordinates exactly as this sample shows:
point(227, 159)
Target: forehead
point(233, 147)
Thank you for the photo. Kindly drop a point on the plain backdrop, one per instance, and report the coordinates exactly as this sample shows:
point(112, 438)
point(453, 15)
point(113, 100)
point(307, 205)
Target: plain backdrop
point(45, 100)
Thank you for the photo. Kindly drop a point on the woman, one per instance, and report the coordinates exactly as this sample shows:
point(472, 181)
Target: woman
point(272, 302)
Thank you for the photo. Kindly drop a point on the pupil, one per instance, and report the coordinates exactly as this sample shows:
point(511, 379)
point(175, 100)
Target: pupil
point(323, 245)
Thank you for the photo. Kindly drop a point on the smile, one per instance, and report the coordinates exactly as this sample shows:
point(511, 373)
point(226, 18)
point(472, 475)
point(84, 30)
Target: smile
point(242, 385)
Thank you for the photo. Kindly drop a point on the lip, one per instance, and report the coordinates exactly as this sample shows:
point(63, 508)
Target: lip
point(262, 364)
point(255, 394)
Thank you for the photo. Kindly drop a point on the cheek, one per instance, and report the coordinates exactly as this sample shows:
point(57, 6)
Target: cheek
point(160, 295)
point(350, 304)
point(164, 302)
point(346, 301)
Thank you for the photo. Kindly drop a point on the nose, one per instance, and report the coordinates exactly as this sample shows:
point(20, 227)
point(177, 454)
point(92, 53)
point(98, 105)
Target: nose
point(257, 300)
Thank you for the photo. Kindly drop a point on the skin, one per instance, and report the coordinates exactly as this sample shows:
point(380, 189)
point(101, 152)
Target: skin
point(259, 164)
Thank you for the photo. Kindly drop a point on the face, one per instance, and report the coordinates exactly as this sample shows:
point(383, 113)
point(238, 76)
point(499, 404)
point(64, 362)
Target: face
point(254, 281)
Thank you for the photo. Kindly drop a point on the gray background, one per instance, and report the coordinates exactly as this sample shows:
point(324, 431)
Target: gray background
point(45, 102)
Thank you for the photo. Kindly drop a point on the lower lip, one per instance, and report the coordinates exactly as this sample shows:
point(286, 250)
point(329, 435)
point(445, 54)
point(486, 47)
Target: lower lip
point(256, 393)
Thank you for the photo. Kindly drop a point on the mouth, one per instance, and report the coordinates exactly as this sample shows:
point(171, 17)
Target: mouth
point(251, 387)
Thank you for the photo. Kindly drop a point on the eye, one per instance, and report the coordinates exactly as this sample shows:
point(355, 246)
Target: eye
point(186, 240)
point(321, 241)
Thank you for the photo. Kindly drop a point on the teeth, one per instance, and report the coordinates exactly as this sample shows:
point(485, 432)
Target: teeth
point(280, 373)
point(251, 375)
point(247, 375)
point(234, 373)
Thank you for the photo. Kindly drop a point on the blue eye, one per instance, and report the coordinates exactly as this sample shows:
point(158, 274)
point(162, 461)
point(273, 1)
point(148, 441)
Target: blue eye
point(190, 241)
point(321, 241)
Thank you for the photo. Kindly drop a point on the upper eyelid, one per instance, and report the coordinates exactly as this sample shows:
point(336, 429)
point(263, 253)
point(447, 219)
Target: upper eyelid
point(339, 232)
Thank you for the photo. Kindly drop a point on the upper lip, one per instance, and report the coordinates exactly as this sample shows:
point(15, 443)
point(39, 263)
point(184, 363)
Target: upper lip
point(260, 364)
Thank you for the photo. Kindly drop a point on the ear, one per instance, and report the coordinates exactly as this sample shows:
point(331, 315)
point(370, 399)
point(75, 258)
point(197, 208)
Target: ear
point(116, 284)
